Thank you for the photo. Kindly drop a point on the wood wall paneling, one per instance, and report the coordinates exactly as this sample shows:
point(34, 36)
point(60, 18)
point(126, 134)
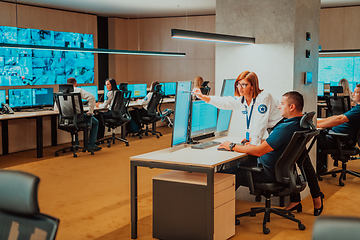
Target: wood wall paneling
point(351, 28)
point(8, 14)
point(332, 28)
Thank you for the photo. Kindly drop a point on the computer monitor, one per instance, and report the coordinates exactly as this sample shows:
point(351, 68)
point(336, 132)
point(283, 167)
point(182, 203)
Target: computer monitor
point(66, 88)
point(42, 97)
point(203, 118)
point(169, 88)
point(2, 97)
point(20, 98)
point(138, 90)
point(91, 89)
point(320, 89)
point(181, 113)
point(224, 116)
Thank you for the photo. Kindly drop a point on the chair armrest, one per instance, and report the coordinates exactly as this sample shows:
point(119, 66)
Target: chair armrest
point(338, 134)
point(252, 169)
point(249, 171)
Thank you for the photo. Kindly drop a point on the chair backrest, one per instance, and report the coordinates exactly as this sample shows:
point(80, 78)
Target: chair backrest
point(285, 166)
point(154, 102)
point(70, 108)
point(20, 215)
point(119, 107)
point(334, 228)
point(338, 105)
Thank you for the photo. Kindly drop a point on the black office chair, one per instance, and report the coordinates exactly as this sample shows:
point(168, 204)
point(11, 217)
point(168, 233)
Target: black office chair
point(205, 89)
point(337, 105)
point(288, 181)
point(73, 120)
point(120, 116)
point(343, 153)
point(20, 216)
point(153, 115)
point(335, 228)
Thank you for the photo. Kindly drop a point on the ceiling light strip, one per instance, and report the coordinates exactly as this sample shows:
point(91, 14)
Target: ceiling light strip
point(93, 50)
point(212, 37)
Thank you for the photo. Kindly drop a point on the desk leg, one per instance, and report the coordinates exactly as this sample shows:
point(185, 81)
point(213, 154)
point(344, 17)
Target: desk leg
point(5, 137)
point(210, 204)
point(133, 201)
point(53, 130)
point(39, 137)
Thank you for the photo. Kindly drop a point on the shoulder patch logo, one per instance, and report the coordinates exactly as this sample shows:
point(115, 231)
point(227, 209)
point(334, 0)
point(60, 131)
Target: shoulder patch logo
point(262, 108)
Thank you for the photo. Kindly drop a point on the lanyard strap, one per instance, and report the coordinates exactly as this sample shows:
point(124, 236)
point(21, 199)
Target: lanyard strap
point(248, 117)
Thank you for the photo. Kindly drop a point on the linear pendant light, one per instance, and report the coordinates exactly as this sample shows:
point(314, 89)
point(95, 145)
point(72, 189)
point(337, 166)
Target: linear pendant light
point(346, 51)
point(93, 50)
point(212, 37)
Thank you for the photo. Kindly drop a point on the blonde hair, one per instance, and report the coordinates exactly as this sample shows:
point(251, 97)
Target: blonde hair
point(252, 78)
point(346, 88)
point(198, 81)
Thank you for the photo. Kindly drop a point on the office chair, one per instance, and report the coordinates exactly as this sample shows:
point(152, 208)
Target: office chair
point(152, 116)
point(205, 89)
point(342, 153)
point(73, 120)
point(120, 116)
point(288, 181)
point(334, 228)
point(20, 217)
point(337, 105)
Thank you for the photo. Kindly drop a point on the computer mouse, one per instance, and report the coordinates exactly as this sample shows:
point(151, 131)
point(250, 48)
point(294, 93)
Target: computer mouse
point(222, 149)
point(243, 142)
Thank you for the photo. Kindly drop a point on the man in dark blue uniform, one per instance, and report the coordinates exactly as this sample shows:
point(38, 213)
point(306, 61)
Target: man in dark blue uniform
point(270, 150)
point(348, 123)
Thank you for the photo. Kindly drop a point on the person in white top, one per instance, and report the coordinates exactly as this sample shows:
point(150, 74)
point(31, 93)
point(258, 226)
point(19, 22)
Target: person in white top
point(198, 81)
point(91, 103)
point(258, 107)
point(110, 85)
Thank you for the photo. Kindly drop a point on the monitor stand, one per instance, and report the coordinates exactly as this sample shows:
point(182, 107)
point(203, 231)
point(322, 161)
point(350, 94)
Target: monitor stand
point(196, 140)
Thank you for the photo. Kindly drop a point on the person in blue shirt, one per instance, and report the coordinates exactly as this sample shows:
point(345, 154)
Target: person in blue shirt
point(346, 123)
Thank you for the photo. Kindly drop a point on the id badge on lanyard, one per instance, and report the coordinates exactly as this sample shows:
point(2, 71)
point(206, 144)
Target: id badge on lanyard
point(248, 120)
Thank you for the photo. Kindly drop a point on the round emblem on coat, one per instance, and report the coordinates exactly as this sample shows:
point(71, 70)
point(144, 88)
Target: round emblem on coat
point(262, 108)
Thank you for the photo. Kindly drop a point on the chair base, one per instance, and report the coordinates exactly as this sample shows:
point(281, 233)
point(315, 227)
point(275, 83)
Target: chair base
point(267, 210)
point(343, 171)
point(112, 139)
point(146, 132)
point(73, 148)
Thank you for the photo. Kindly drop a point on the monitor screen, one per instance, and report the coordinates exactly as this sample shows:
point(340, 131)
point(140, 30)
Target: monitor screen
point(20, 97)
point(170, 88)
point(203, 118)
point(321, 89)
point(224, 116)
point(181, 113)
point(42, 97)
point(91, 89)
point(137, 90)
point(2, 97)
point(105, 93)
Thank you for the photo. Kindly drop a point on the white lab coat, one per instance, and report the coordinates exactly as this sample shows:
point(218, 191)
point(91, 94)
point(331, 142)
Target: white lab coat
point(109, 100)
point(145, 101)
point(84, 95)
point(265, 113)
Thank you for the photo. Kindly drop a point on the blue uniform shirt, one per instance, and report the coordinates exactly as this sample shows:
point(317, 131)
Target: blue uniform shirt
point(278, 140)
point(353, 125)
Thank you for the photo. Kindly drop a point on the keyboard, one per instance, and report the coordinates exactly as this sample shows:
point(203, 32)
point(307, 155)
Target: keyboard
point(204, 145)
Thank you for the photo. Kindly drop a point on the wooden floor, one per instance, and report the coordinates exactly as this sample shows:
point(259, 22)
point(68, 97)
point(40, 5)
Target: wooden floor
point(91, 194)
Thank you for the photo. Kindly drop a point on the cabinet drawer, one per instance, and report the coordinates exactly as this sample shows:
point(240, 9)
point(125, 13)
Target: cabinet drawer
point(224, 196)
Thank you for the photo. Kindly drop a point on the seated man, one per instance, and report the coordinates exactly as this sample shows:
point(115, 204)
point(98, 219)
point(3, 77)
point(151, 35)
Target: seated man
point(269, 151)
point(95, 123)
point(346, 123)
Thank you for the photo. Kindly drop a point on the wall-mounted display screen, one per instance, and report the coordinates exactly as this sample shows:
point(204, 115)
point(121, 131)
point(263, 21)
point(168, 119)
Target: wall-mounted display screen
point(333, 69)
point(21, 67)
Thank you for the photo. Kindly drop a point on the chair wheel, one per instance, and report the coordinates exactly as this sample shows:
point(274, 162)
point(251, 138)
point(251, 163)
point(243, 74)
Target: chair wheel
point(56, 154)
point(320, 178)
point(266, 230)
point(75, 155)
point(84, 150)
point(253, 215)
point(92, 153)
point(157, 136)
point(109, 145)
point(237, 222)
point(291, 215)
point(63, 151)
point(140, 137)
point(341, 184)
point(146, 134)
point(301, 226)
point(333, 174)
point(127, 144)
point(160, 134)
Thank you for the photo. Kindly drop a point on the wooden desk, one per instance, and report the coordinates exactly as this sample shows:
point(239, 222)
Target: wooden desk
point(183, 158)
point(38, 115)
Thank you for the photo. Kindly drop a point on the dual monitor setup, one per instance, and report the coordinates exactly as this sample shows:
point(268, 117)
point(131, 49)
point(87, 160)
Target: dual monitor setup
point(194, 118)
point(28, 97)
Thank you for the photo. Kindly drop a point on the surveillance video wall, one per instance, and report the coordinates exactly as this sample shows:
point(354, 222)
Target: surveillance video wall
point(20, 67)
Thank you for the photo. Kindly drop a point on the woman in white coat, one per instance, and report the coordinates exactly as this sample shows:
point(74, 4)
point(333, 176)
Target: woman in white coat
point(258, 107)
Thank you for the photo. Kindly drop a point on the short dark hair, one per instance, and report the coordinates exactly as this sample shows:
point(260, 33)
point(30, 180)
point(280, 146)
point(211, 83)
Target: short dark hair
point(295, 98)
point(71, 80)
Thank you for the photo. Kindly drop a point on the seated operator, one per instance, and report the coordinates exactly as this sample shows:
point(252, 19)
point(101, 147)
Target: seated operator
point(270, 150)
point(95, 123)
point(346, 123)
